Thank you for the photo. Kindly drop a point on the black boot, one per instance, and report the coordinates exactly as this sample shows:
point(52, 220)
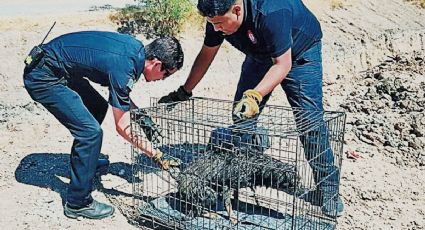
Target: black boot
point(95, 210)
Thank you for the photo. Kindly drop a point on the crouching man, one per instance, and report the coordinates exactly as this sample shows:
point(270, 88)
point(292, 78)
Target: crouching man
point(58, 77)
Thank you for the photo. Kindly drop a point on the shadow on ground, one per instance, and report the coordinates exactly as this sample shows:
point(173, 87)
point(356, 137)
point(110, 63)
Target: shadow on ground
point(51, 171)
point(48, 170)
point(45, 170)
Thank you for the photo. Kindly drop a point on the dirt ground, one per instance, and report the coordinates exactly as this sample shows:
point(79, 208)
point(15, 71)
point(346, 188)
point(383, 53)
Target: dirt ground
point(373, 54)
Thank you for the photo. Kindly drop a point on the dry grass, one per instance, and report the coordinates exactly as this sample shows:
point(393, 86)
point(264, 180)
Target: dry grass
point(337, 4)
point(194, 22)
point(420, 3)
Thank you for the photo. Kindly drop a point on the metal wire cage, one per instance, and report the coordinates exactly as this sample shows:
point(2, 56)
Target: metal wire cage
point(280, 170)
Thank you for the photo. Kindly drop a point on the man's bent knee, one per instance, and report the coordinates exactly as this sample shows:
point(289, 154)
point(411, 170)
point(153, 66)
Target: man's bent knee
point(91, 132)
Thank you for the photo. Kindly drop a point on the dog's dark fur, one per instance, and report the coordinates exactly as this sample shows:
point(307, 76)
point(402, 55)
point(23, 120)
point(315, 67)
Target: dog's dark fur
point(220, 173)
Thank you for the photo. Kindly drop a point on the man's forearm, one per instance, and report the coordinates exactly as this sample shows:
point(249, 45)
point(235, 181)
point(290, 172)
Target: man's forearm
point(281, 67)
point(122, 124)
point(138, 142)
point(273, 78)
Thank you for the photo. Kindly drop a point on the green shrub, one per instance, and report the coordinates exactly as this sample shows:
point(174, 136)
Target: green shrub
point(154, 18)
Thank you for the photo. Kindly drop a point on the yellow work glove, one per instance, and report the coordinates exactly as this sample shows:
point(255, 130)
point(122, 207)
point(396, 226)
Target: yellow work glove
point(165, 162)
point(248, 106)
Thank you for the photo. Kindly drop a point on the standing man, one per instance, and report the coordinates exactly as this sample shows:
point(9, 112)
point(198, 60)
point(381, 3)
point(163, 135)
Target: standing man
point(282, 43)
point(57, 75)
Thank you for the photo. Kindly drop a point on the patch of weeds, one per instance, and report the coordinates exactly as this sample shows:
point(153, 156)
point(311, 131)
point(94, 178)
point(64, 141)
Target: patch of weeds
point(154, 18)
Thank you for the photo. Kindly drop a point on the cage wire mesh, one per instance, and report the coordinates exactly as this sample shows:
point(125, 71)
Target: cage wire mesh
point(276, 171)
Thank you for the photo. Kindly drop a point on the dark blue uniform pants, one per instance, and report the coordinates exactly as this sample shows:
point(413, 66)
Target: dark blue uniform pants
point(81, 110)
point(303, 88)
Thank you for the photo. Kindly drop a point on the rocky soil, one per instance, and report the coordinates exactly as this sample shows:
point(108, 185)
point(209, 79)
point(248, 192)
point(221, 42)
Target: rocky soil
point(388, 110)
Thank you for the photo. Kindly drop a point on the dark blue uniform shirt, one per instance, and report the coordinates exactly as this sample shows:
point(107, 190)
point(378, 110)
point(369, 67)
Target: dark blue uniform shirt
point(107, 58)
point(270, 28)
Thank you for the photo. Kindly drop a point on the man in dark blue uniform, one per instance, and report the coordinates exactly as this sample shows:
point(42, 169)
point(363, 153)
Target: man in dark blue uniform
point(59, 80)
point(282, 43)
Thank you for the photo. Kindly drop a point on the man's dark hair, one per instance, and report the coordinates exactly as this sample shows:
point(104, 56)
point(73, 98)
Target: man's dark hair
point(168, 50)
point(212, 8)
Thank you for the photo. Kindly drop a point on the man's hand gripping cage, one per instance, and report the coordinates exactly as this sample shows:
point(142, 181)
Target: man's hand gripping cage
point(249, 106)
point(153, 134)
point(151, 130)
point(165, 161)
